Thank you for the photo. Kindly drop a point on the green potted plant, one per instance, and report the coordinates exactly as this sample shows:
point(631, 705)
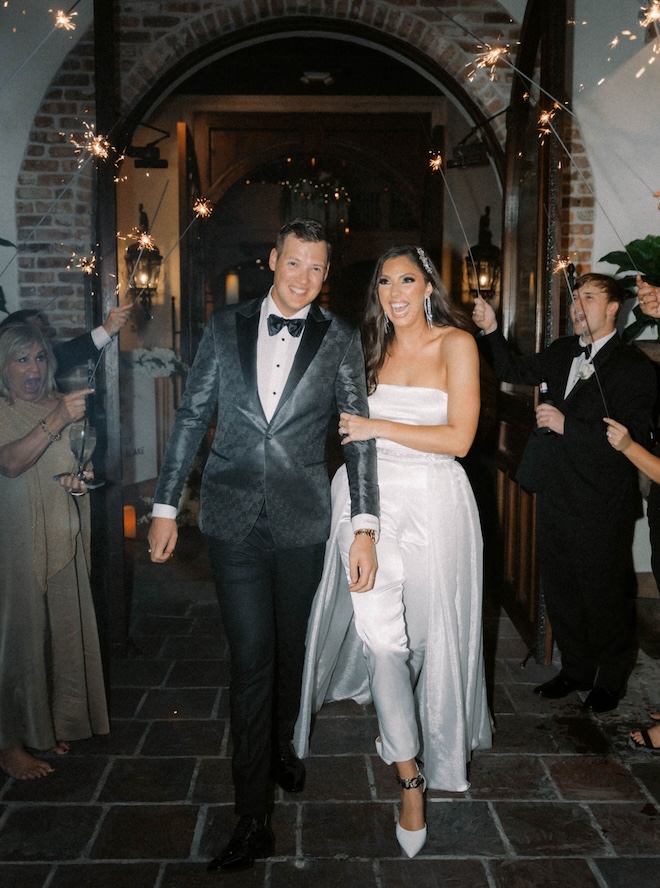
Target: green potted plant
point(638, 257)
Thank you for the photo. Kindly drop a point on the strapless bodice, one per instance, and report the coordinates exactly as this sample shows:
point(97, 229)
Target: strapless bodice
point(408, 404)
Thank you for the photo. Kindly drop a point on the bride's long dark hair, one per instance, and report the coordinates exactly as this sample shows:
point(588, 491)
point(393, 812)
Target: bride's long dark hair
point(377, 330)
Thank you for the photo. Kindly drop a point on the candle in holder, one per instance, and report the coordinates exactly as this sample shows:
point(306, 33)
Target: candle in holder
point(130, 522)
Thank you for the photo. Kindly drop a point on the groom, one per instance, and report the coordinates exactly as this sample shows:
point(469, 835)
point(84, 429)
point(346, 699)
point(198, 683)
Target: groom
point(276, 369)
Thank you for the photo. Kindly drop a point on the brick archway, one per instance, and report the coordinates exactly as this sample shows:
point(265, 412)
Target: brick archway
point(156, 51)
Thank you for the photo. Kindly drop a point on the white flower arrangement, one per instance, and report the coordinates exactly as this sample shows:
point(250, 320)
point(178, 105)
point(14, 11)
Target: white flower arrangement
point(155, 362)
point(586, 370)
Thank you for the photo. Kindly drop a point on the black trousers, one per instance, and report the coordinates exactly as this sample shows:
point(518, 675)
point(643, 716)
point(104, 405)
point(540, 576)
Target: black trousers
point(589, 585)
point(653, 515)
point(265, 597)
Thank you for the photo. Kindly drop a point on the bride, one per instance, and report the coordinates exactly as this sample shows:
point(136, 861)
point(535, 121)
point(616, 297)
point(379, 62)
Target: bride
point(414, 643)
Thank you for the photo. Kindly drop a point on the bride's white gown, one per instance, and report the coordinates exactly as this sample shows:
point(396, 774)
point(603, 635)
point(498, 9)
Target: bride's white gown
point(426, 501)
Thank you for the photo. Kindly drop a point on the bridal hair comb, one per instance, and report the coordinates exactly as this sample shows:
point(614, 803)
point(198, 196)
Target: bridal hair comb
point(424, 259)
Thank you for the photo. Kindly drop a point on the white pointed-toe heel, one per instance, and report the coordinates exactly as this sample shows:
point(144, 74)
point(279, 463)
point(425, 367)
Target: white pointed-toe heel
point(379, 750)
point(411, 840)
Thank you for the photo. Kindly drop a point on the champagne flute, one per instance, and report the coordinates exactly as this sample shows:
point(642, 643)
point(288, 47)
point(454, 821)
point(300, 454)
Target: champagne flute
point(82, 441)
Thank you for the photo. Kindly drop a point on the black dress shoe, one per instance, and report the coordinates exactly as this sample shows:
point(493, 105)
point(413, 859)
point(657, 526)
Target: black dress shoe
point(601, 700)
point(252, 839)
point(560, 686)
point(289, 771)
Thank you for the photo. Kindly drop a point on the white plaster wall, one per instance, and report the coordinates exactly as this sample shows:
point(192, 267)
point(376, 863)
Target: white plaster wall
point(616, 92)
point(31, 51)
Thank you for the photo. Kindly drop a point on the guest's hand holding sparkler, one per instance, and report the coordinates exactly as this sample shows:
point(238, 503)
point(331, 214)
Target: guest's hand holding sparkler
point(649, 298)
point(483, 315)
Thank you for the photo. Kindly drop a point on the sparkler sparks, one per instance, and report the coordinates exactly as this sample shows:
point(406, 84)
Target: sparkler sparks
point(490, 58)
point(144, 240)
point(202, 208)
point(651, 14)
point(95, 145)
point(65, 20)
point(545, 120)
point(560, 265)
point(86, 265)
point(435, 162)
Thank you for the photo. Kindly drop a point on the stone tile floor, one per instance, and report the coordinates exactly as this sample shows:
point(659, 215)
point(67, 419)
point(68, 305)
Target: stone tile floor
point(560, 800)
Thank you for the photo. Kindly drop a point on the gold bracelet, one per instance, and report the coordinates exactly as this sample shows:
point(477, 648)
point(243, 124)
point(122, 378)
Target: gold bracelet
point(365, 532)
point(49, 433)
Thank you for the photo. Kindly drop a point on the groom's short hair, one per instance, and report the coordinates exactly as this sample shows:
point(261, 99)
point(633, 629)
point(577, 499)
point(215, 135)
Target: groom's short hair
point(306, 230)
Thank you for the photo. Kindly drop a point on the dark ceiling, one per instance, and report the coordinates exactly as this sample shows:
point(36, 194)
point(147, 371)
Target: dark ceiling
point(276, 67)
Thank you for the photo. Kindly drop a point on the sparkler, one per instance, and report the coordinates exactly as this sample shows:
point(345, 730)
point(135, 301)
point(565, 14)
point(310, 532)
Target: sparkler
point(65, 20)
point(436, 165)
point(86, 265)
point(96, 146)
point(202, 208)
point(436, 161)
point(490, 58)
point(651, 14)
point(545, 119)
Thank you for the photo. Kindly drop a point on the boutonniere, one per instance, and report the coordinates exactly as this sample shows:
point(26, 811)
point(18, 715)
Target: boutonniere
point(586, 370)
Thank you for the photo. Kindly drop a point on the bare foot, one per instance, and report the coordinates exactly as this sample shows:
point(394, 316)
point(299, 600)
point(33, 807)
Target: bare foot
point(654, 737)
point(19, 764)
point(61, 748)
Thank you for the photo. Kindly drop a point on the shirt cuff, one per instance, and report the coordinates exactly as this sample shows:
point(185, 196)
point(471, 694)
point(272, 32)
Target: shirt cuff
point(366, 522)
point(160, 510)
point(100, 337)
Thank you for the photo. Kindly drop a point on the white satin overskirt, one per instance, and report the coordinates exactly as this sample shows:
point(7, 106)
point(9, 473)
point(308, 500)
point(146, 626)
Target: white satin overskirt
point(430, 670)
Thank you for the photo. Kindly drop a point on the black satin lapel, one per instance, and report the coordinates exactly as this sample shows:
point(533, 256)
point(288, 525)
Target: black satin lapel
point(600, 358)
point(315, 329)
point(247, 331)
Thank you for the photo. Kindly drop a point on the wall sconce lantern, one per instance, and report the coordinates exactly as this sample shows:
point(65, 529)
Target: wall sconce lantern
point(143, 262)
point(483, 262)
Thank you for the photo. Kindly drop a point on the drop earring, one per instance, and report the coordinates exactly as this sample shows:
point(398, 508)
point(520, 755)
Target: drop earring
point(428, 311)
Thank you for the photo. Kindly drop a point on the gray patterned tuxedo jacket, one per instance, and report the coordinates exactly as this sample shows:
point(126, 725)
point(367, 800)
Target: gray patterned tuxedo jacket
point(282, 462)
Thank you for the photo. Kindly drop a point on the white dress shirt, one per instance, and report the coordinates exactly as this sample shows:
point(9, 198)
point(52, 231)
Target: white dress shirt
point(275, 356)
point(581, 360)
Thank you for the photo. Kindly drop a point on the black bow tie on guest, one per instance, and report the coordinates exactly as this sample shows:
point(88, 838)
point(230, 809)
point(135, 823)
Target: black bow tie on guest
point(581, 350)
point(275, 324)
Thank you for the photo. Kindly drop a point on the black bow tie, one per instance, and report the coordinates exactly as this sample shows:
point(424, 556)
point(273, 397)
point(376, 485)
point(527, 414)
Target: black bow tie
point(275, 324)
point(581, 350)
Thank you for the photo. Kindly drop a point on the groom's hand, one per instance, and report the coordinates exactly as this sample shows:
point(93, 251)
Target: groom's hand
point(363, 564)
point(163, 535)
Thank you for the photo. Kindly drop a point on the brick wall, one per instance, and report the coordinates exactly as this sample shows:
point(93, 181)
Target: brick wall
point(54, 193)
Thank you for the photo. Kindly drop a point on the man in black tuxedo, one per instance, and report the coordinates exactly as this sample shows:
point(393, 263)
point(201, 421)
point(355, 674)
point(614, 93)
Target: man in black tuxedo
point(588, 497)
point(277, 369)
point(76, 351)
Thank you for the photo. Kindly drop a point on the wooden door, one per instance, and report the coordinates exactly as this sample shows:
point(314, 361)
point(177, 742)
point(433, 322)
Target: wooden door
point(533, 305)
